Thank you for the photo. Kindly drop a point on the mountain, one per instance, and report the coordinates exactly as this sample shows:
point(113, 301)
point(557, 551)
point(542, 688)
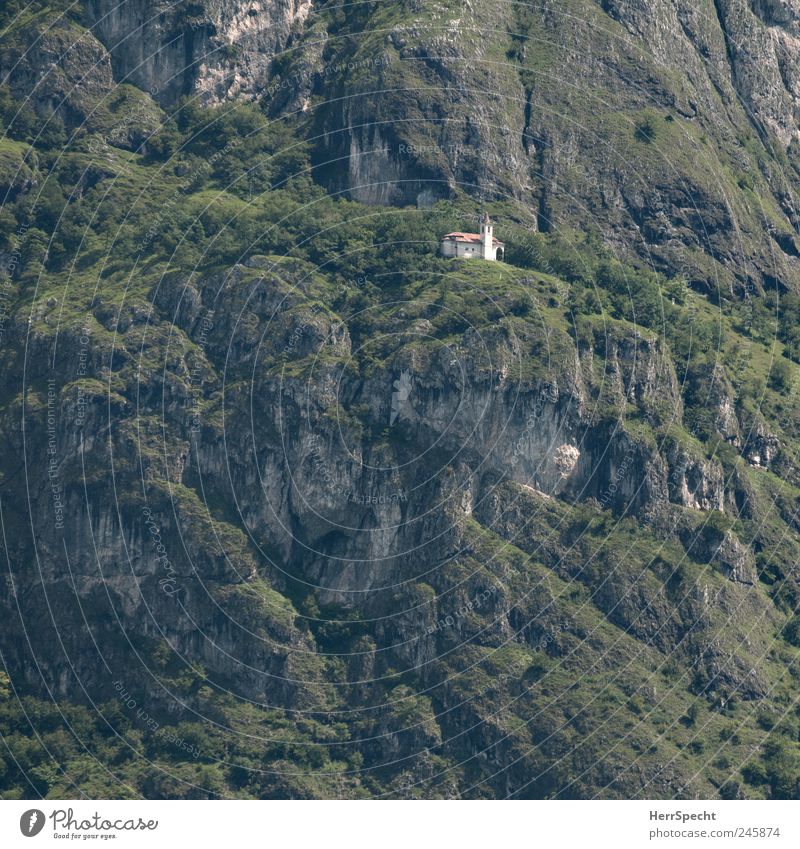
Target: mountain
point(294, 507)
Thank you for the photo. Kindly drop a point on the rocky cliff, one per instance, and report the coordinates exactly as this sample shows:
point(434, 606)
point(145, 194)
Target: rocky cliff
point(213, 49)
point(683, 164)
point(279, 488)
point(347, 518)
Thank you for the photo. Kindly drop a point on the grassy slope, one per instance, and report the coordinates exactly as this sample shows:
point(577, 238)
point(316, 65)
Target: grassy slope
point(554, 729)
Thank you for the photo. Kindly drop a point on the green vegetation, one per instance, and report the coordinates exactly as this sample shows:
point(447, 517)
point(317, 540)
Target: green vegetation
point(627, 671)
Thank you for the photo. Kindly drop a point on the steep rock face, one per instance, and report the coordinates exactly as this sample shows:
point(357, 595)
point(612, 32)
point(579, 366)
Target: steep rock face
point(216, 49)
point(309, 508)
point(767, 70)
point(731, 90)
point(665, 169)
point(294, 455)
point(57, 68)
point(743, 47)
point(353, 513)
point(125, 582)
point(386, 120)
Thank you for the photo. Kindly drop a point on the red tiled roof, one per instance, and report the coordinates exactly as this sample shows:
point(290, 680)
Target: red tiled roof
point(472, 238)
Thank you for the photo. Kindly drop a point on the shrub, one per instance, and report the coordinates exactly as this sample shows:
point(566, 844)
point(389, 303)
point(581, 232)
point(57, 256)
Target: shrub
point(780, 375)
point(755, 774)
point(791, 631)
point(646, 130)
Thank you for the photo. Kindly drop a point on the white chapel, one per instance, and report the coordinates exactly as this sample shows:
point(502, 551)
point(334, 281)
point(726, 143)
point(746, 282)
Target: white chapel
point(481, 245)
